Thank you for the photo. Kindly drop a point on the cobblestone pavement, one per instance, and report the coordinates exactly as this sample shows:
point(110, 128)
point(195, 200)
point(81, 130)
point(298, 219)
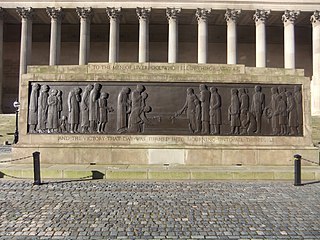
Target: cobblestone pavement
point(159, 210)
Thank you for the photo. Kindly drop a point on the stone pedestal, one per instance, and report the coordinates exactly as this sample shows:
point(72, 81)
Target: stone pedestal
point(145, 145)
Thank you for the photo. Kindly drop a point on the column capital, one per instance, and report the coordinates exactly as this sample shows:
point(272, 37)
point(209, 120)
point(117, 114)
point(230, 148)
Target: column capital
point(261, 15)
point(25, 13)
point(315, 17)
point(55, 13)
point(113, 13)
point(84, 13)
point(290, 16)
point(173, 13)
point(143, 13)
point(202, 14)
point(232, 15)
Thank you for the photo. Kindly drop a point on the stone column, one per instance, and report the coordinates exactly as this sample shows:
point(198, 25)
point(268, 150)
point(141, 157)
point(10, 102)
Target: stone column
point(26, 37)
point(85, 15)
point(202, 16)
point(288, 18)
point(143, 16)
point(172, 16)
point(260, 17)
point(114, 17)
point(231, 16)
point(56, 15)
point(1, 55)
point(315, 83)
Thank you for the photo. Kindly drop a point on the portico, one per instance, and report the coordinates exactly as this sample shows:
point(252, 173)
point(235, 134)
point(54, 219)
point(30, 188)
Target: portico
point(201, 32)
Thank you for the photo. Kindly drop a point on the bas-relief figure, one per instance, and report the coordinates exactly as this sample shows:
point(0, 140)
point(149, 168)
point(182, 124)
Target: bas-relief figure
point(46, 112)
point(234, 112)
point(123, 109)
point(53, 111)
point(74, 109)
point(93, 107)
point(205, 108)
point(42, 108)
point(33, 108)
point(193, 110)
point(215, 111)
point(84, 109)
point(103, 112)
point(258, 106)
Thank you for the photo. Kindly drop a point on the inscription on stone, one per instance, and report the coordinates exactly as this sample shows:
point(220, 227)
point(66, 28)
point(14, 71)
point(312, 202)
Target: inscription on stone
point(128, 108)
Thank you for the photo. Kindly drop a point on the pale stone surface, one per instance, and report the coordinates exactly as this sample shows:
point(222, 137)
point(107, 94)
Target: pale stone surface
point(166, 156)
point(203, 157)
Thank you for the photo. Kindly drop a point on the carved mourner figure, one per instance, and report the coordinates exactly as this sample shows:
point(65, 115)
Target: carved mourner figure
point(33, 108)
point(103, 112)
point(192, 107)
point(84, 108)
point(282, 93)
point(42, 108)
point(234, 112)
point(136, 110)
point(123, 109)
point(63, 124)
point(282, 111)
point(74, 109)
point(258, 106)
point(215, 111)
point(205, 108)
point(292, 114)
point(93, 107)
point(274, 113)
point(60, 105)
point(244, 111)
point(298, 100)
point(53, 120)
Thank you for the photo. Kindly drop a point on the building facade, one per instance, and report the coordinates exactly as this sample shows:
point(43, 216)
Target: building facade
point(280, 34)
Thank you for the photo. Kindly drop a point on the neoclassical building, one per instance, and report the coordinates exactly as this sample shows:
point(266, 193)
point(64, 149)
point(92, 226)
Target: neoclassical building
point(273, 34)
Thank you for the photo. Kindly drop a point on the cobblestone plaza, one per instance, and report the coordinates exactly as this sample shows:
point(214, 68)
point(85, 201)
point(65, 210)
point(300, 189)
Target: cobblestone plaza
point(159, 210)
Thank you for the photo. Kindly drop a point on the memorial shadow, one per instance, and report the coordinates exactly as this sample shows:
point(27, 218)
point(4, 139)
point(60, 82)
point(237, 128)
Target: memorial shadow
point(96, 175)
point(309, 183)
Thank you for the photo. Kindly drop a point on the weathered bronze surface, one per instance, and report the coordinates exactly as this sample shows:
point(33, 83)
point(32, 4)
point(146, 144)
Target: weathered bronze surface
point(165, 108)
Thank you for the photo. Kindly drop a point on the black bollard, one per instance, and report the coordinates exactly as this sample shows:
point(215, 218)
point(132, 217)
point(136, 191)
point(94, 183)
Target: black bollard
point(297, 170)
point(36, 168)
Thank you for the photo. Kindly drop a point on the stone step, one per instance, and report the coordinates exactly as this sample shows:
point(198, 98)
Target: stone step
point(159, 172)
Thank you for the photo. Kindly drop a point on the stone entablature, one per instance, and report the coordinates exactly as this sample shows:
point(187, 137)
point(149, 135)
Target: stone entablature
point(186, 4)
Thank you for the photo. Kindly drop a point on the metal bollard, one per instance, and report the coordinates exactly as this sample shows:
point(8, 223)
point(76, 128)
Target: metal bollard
point(297, 170)
point(36, 168)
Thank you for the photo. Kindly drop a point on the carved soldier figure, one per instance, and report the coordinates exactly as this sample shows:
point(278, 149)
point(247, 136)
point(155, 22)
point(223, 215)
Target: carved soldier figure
point(60, 108)
point(33, 108)
point(84, 108)
point(234, 112)
point(292, 114)
point(93, 107)
point(205, 108)
point(74, 109)
point(123, 109)
point(192, 107)
point(215, 111)
point(52, 123)
point(258, 106)
point(298, 100)
point(103, 112)
point(282, 93)
point(136, 110)
point(42, 108)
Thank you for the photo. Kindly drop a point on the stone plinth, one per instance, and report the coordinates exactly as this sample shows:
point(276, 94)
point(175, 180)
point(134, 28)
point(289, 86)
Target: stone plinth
point(141, 148)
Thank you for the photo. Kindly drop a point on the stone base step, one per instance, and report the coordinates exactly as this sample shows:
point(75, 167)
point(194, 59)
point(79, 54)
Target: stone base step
point(159, 172)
